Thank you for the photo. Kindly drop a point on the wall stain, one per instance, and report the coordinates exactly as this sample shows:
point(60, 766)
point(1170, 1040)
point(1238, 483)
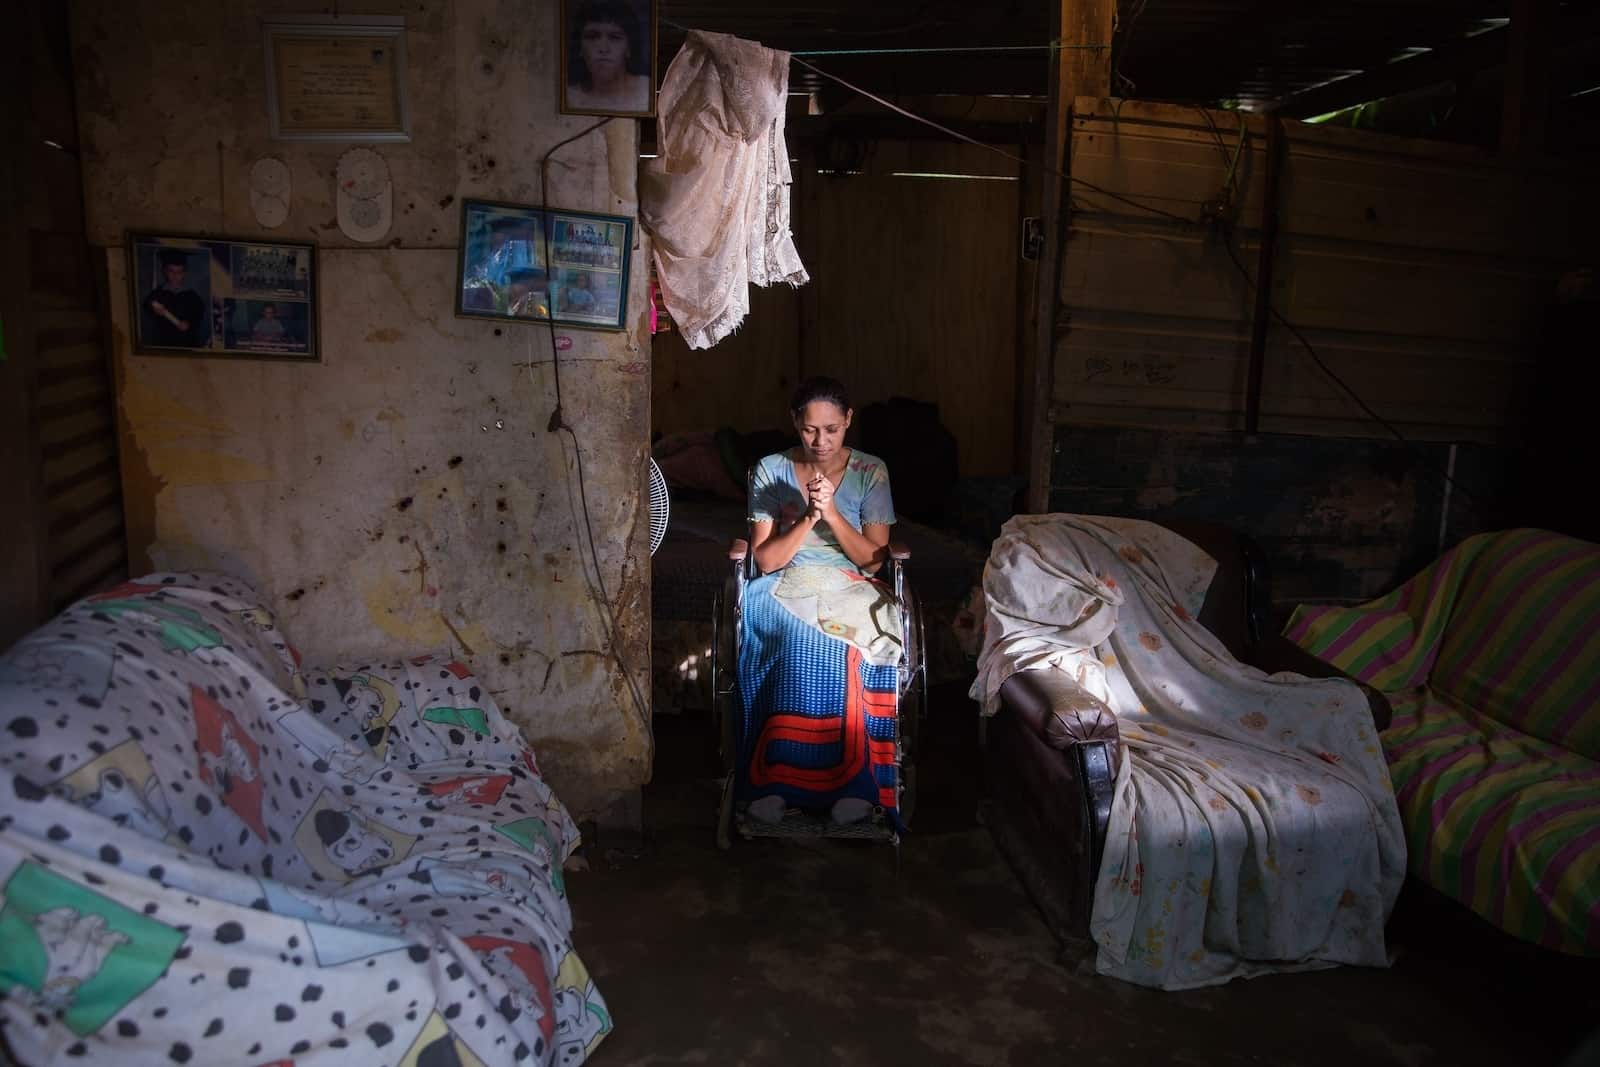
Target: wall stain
point(141, 485)
point(388, 324)
point(421, 569)
point(402, 288)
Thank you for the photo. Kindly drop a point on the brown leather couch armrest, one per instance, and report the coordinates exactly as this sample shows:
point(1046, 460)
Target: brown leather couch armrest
point(898, 550)
point(739, 549)
point(1061, 711)
point(1276, 653)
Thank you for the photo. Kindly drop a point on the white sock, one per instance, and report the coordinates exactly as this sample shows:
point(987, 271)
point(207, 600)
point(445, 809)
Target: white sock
point(767, 809)
point(850, 809)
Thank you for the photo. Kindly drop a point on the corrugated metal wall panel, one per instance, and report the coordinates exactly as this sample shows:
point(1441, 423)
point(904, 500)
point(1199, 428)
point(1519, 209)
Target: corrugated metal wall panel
point(82, 483)
point(1420, 272)
point(83, 487)
point(90, 571)
point(66, 537)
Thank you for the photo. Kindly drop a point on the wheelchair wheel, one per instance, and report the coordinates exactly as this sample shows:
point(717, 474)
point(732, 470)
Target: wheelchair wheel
point(724, 669)
point(910, 724)
point(912, 708)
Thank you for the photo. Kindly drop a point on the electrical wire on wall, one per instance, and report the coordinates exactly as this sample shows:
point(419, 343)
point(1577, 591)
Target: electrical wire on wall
point(1221, 219)
point(558, 422)
point(1121, 37)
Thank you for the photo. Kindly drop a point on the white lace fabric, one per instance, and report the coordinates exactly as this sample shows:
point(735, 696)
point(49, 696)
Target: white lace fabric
point(716, 199)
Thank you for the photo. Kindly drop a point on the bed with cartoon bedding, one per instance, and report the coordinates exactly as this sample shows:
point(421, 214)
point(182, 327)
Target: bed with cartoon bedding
point(208, 855)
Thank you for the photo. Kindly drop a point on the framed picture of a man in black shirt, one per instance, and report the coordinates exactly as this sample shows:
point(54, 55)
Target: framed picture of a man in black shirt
point(175, 308)
point(223, 297)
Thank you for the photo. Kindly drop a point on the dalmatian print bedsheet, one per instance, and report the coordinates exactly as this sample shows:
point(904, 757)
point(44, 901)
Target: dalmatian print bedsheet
point(209, 856)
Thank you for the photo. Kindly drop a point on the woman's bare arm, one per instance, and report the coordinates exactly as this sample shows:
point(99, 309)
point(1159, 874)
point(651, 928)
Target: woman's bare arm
point(774, 551)
point(867, 547)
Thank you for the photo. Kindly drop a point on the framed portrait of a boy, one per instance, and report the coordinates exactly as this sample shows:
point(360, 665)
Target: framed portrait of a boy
point(238, 298)
point(523, 264)
point(608, 64)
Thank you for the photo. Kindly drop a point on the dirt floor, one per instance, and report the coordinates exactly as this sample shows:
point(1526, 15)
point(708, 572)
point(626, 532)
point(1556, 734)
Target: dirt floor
point(778, 952)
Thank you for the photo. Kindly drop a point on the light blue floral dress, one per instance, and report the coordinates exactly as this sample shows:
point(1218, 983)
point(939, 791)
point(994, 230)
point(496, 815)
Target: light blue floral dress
point(818, 663)
point(776, 496)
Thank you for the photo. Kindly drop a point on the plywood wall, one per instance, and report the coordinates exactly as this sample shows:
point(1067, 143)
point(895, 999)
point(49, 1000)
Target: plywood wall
point(1420, 273)
point(913, 293)
point(743, 381)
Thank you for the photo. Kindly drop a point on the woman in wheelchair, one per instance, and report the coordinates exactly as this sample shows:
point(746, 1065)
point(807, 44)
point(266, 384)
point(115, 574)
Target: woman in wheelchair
point(820, 651)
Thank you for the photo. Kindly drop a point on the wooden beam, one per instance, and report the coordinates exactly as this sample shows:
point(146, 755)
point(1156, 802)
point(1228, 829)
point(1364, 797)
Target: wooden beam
point(1081, 67)
point(1449, 63)
point(1525, 112)
point(1023, 355)
point(1214, 55)
point(1263, 306)
point(893, 127)
point(1440, 65)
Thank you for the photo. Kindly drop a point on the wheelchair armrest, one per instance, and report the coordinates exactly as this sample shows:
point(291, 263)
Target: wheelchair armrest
point(898, 550)
point(738, 549)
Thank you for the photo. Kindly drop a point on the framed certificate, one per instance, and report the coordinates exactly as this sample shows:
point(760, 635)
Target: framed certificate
point(337, 78)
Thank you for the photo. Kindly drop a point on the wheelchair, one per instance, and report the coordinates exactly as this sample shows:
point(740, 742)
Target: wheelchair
point(909, 701)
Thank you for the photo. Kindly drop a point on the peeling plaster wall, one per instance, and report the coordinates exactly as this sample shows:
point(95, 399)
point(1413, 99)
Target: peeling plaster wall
point(405, 494)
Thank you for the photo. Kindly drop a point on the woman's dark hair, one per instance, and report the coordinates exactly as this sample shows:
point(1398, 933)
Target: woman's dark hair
point(813, 389)
point(617, 11)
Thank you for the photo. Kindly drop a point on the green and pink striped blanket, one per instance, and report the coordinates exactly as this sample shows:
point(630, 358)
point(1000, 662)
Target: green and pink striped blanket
point(1491, 660)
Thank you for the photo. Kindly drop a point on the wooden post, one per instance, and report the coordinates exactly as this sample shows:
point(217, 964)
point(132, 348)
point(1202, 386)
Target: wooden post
point(1260, 323)
point(1080, 67)
point(1526, 106)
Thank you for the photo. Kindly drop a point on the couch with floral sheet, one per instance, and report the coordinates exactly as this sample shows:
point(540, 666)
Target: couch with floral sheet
point(1491, 661)
point(210, 856)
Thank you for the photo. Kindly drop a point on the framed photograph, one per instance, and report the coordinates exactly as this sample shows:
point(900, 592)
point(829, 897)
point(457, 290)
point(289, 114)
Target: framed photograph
point(608, 62)
point(337, 78)
point(223, 297)
point(526, 265)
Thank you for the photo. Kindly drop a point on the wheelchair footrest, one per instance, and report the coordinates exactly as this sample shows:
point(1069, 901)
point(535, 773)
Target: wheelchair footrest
point(798, 823)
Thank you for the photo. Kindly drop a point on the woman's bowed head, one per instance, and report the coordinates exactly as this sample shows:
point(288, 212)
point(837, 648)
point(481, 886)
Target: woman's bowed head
point(819, 468)
point(608, 58)
point(822, 413)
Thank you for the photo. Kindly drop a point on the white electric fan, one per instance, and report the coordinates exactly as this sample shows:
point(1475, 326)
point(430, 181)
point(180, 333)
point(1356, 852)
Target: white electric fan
point(660, 507)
